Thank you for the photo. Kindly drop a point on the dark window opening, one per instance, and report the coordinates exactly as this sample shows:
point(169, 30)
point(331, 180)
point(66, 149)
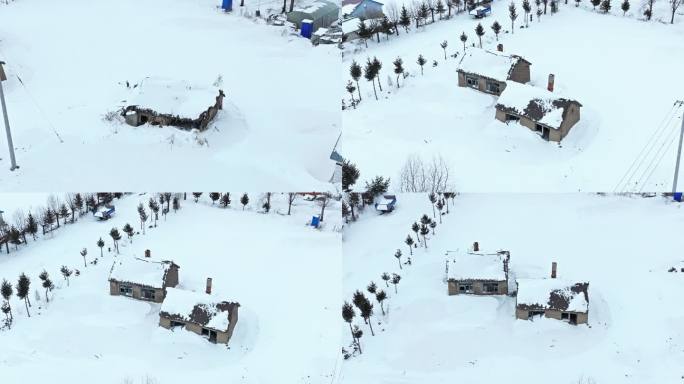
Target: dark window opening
point(532, 314)
point(126, 290)
point(148, 294)
point(510, 117)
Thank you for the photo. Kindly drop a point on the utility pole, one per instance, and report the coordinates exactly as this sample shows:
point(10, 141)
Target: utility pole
point(679, 151)
point(4, 113)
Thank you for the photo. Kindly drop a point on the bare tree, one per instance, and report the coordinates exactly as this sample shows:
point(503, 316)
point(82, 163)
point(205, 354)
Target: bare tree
point(20, 223)
point(393, 16)
point(290, 199)
point(323, 202)
point(418, 176)
point(674, 4)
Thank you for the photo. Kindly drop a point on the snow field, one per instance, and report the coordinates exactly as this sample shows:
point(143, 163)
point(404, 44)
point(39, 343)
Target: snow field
point(622, 245)
point(597, 59)
point(284, 273)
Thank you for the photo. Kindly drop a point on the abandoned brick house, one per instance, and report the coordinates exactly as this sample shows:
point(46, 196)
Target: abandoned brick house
point(178, 104)
point(553, 298)
point(142, 279)
point(489, 71)
point(200, 313)
point(478, 273)
point(538, 109)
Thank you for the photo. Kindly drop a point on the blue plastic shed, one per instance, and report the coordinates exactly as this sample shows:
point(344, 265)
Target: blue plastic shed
point(227, 5)
point(307, 28)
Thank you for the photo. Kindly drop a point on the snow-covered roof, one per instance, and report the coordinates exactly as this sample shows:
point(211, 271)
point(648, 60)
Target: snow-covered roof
point(555, 294)
point(148, 273)
point(350, 25)
point(316, 6)
point(348, 6)
point(494, 65)
point(479, 265)
point(476, 9)
point(199, 308)
point(535, 103)
point(173, 97)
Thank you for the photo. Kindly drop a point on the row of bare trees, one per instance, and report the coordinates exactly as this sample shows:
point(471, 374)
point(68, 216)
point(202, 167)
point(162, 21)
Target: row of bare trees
point(439, 201)
point(46, 219)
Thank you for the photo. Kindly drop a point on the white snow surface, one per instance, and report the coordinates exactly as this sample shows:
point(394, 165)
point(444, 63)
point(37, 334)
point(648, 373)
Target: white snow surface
point(264, 261)
point(633, 336)
point(491, 64)
point(174, 97)
point(67, 65)
point(537, 292)
point(182, 302)
point(429, 115)
point(477, 266)
point(139, 271)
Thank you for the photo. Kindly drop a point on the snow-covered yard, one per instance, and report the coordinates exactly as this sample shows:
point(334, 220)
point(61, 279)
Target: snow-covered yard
point(284, 274)
point(67, 67)
point(625, 72)
point(623, 246)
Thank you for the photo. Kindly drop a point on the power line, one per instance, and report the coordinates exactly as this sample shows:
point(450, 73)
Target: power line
point(656, 142)
point(638, 161)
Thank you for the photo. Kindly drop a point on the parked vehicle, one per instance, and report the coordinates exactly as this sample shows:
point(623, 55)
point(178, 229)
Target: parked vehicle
point(386, 204)
point(105, 213)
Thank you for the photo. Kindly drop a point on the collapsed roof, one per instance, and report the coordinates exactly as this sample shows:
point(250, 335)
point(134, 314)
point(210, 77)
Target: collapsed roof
point(554, 294)
point(198, 308)
point(535, 103)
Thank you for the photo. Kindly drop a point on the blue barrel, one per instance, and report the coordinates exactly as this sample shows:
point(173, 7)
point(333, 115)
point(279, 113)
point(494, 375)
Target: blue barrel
point(307, 28)
point(227, 5)
point(315, 221)
point(678, 196)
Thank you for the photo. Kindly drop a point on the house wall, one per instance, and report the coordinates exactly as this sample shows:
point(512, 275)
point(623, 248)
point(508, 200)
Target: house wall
point(478, 287)
point(233, 321)
point(367, 10)
point(520, 72)
point(481, 83)
point(221, 337)
point(171, 279)
point(114, 286)
point(570, 118)
point(582, 318)
point(554, 134)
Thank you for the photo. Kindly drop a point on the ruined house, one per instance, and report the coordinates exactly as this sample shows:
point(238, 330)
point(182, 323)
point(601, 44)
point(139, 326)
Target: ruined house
point(553, 298)
point(543, 112)
point(174, 103)
point(200, 313)
point(142, 279)
point(477, 272)
point(489, 71)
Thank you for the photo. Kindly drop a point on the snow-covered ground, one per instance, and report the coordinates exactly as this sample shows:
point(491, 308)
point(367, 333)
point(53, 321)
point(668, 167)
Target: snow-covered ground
point(611, 64)
point(622, 245)
point(67, 65)
point(285, 274)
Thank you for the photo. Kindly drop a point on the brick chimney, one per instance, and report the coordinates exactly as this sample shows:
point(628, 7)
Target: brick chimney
point(476, 247)
point(499, 47)
point(208, 285)
point(552, 78)
point(148, 253)
point(554, 267)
